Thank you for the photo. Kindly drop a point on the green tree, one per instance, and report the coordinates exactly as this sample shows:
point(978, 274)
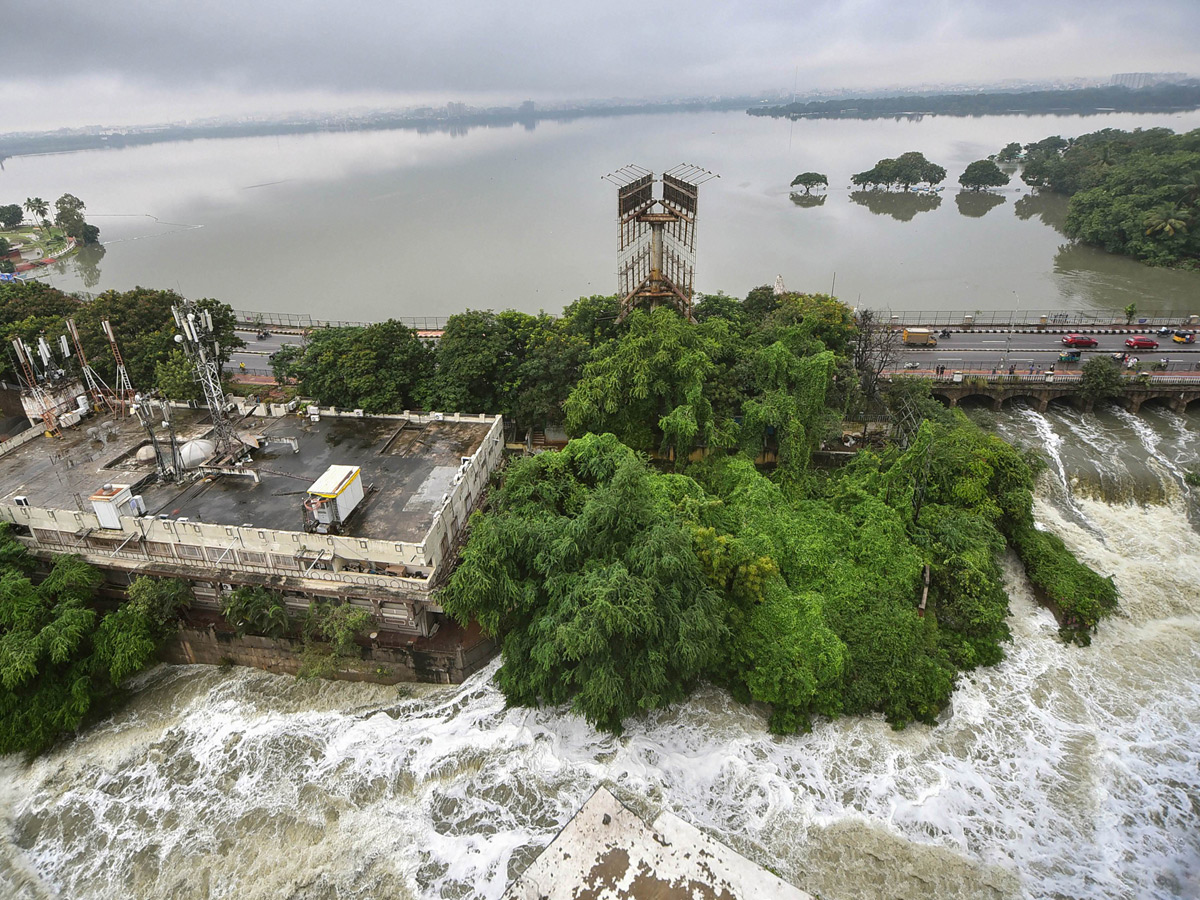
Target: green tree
point(382, 368)
point(61, 662)
point(39, 209)
point(1165, 219)
point(584, 571)
point(69, 216)
point(175, 377)
point(256, 610)
point(11, 215)
point(479, 357)
point(810, 180)
point(648, 387)
point(981, 174)
point(1101, 380)
point(1130, 311)
point(1010, 153)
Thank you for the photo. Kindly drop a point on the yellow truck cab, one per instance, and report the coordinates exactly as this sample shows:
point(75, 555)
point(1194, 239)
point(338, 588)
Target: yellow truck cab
point(920, 337)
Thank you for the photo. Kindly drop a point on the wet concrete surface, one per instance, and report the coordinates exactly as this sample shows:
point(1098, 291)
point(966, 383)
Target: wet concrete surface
point(406, 470)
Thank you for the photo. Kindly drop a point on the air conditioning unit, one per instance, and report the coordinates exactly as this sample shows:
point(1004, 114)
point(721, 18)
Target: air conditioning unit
point(21, 501)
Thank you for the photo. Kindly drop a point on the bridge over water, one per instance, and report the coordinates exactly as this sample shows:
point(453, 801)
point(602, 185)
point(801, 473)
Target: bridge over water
point(1176, 391)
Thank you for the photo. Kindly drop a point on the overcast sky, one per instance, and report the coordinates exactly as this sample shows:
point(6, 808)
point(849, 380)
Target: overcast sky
point(69, 63)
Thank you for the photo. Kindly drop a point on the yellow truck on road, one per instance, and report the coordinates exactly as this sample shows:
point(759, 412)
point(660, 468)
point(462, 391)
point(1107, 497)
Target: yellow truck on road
point(919, 337)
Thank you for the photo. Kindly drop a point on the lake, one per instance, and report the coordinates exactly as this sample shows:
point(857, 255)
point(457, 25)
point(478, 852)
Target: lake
point(366, 225)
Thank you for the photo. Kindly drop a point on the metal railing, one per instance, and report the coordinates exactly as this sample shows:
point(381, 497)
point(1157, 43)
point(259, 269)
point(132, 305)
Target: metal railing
point(304, 321)
point(1054, 318)
point(993, 376)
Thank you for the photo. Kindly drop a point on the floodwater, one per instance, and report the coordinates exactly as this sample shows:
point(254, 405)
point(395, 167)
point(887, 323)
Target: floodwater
point(366, 225)
point(1062, 772)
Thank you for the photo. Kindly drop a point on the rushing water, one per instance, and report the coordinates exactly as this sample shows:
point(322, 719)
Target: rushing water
point(366, 225)
point(1062, 772)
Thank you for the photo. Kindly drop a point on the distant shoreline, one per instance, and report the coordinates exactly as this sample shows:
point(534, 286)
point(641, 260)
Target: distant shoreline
point(1077, 102)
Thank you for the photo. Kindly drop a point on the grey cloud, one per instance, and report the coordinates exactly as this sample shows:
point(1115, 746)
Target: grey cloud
point(560, 49)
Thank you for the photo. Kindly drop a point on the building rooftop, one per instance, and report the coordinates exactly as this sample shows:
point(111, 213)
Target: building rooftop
point(407, 468)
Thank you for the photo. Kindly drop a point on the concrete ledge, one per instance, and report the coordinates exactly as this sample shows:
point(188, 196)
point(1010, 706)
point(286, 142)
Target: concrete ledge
point(607, 852)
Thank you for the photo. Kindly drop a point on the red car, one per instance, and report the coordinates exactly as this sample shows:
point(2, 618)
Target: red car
point(1141, 342)
point(1079, 340)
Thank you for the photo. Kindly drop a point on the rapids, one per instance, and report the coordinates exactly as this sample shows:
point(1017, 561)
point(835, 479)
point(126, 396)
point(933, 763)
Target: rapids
point(1061, 772)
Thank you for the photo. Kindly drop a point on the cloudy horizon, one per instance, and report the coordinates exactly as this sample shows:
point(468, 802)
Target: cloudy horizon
point(136, 61)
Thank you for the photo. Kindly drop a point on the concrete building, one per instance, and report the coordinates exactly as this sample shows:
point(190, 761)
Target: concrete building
point(383, 545)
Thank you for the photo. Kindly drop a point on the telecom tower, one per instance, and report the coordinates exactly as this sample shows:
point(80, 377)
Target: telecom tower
point(201, 347)
point(99, 391)
point(656, 239)
point(124, 391)
point(26, 360)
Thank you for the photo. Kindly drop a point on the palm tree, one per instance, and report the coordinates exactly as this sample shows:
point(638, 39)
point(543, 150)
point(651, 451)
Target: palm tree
point(1189, 189)
point(38, 208)
point(1165, 219)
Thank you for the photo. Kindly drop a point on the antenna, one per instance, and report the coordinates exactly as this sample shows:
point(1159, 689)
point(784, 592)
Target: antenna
point(39, 396)
point(124, 391)
point(656, 247)
point(198, 342)
point(99, 391)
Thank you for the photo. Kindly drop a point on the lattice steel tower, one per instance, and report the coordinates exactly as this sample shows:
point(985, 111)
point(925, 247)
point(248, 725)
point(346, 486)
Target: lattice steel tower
point(656, 239)
point(198, 340)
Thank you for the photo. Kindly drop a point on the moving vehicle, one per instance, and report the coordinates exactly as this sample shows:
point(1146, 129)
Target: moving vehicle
point(1069, 356)
point(1184, 337)
point(919, 337)
point(1141, 342)
point(1079, 340)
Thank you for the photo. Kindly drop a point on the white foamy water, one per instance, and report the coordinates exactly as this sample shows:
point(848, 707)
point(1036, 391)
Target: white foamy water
point(1061, 772)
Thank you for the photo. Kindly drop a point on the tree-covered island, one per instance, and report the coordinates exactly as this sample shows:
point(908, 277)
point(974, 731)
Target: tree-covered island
point(1132, 192)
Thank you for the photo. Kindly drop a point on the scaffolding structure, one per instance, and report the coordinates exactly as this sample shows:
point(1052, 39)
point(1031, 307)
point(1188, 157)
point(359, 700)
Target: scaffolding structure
point(656, 238)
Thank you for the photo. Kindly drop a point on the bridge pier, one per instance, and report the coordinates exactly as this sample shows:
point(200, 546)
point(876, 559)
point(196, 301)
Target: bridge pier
point(1179, 404)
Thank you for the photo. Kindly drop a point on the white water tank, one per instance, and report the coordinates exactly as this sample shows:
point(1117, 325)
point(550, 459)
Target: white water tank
point(193, 453)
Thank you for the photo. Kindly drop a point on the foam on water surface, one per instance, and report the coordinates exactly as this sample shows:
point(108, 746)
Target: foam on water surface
point(1060, 772)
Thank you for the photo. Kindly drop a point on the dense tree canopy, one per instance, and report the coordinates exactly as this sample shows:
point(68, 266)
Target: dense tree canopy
point(585, 566)
point(62, 661)
point(983, 173)
point(1131, 192)
point(141, 318)
point(905, 171)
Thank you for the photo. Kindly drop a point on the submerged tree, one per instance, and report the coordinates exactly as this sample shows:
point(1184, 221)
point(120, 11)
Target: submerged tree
point(810, 180)
point(982, 173)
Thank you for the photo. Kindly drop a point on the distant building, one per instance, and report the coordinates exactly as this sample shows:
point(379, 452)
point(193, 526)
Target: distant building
point(1137, 80)
point(456, 109)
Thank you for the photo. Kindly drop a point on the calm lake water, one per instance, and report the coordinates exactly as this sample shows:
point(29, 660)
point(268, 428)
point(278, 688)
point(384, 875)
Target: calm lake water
point(361, 226)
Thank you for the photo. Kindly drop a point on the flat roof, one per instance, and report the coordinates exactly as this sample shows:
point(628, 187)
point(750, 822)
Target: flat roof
point(406, 466)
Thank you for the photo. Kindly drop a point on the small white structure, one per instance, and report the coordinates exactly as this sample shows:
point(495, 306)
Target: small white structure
point(333, 497)
point(193, 453)
point(110, 503)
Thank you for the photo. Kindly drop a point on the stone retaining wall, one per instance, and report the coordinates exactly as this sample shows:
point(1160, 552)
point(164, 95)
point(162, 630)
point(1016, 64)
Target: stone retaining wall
point(381, 665)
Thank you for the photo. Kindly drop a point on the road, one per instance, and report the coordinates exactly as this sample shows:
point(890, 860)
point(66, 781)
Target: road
point(970, 351)
point(963, 350)
point(256, 354)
